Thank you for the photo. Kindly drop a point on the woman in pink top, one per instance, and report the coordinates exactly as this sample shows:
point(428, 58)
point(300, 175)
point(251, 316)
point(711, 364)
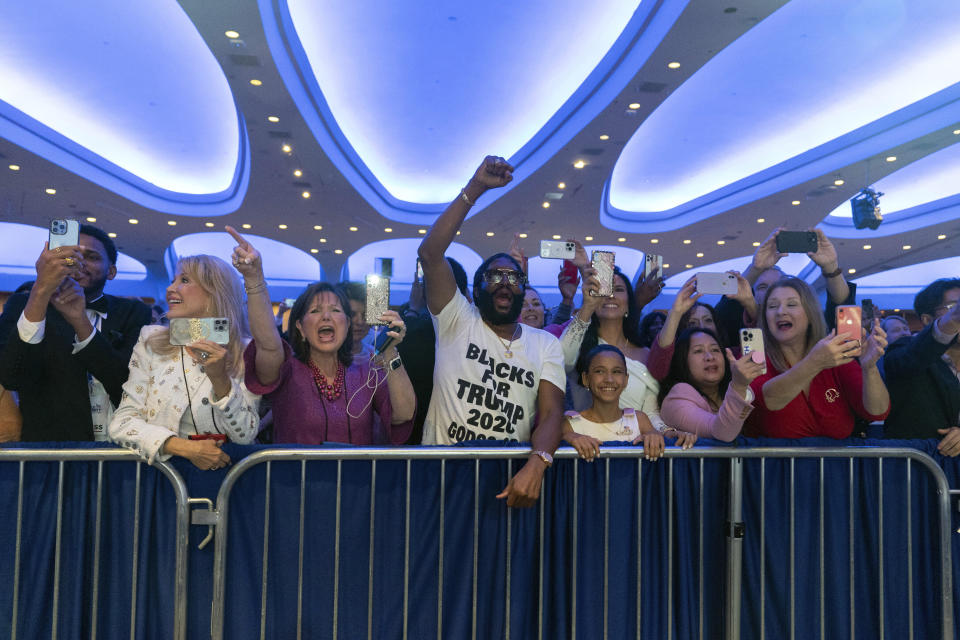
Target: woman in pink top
point(701, 394)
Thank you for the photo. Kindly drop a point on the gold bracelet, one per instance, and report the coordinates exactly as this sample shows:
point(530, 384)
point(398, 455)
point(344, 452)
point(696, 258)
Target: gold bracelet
point(260, 287)
point(463, 196)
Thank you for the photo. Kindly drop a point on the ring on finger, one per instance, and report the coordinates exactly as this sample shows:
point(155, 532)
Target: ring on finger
point(69, 261)
point(57, 249)
point(204, 355)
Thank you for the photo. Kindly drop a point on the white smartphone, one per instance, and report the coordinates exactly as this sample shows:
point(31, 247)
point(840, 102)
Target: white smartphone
point(64, 233)
point(652, 263)
point(751, 341)
point(722, 283)
point(557, 250)
point(186, 331)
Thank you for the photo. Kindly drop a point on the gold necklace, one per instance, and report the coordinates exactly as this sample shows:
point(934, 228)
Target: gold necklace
point(508, 353)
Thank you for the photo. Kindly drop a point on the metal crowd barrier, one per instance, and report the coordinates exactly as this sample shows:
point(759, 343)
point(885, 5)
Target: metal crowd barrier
point(734, 534)
point(63, 458)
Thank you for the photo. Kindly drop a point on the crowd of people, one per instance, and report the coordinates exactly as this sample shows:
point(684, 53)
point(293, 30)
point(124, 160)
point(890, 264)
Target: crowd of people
point(458, 364)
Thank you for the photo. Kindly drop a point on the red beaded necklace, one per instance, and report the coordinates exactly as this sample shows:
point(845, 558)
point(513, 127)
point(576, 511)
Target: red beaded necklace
point(331, 391)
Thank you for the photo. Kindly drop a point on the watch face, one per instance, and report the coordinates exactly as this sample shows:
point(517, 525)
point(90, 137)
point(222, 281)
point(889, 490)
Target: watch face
point(395, 363)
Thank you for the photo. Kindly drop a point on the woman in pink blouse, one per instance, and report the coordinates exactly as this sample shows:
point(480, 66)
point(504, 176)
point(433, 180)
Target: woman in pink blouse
point(701, 394)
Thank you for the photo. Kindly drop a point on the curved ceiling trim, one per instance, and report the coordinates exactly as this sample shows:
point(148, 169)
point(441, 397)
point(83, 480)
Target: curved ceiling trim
point(649, 23)
point(934, 112)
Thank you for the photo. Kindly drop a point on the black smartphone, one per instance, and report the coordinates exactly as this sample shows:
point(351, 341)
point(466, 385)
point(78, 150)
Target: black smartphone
point(869, 313)
point(796, 242)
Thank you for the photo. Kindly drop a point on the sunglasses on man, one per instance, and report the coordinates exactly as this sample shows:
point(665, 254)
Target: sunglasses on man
point(513, 278)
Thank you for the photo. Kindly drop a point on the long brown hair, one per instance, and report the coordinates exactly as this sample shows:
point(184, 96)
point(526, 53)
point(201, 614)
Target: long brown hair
point(816, 325)
point(222, 283)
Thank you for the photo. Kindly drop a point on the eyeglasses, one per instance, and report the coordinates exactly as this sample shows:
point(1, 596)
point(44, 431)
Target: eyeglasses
point(946, 307)
point(496, 276)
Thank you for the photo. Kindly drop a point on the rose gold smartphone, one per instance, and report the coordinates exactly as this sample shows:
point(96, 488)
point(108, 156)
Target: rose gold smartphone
point(603, 262)
point(849, 321)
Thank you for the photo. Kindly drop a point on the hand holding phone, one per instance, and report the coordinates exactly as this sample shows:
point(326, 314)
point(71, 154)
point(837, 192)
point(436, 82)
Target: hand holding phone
point(378, 298)
point(797, 242)
point(558, 250)
point(717, 283)
point(603, 263)
point(652, 263)
point(849, 322)
point(751, 343)
point(186, 331)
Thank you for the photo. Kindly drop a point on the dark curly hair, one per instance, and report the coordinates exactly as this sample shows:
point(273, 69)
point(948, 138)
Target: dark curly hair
point(301, 348)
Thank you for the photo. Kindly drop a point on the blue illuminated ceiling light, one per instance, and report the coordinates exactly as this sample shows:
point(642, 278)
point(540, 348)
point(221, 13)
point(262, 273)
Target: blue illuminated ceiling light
point(407, 98)
point(287, 269)
point(817, 85)
point(923, 193)
point(127, 95)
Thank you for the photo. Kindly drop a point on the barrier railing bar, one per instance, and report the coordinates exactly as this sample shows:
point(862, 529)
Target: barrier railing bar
point(880, 545)
point(16, 557)
point(266, 552)
point(822, 554)
point(734, 536)
point(700, 557)
point(476, 544)
point(136, 555)
point(575, 508)
point(606, 546)
point(763, 548)
point(336, 548)
point(669, 549)
point(850, 550)
point(303, 492)
point(506, 603)
point(639, 545)
point(793, 550)
point(406, 555)
point(95, 589)
point(543, 499)
point(54, 619)
point(443, 502)
point(909, 522)
point(373, 504)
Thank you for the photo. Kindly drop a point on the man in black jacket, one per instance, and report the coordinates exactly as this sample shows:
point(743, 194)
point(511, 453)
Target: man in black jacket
point(65, 347)
point(922, 371)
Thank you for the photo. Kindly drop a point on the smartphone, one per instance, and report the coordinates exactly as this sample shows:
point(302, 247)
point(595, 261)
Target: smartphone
point(571, 272)
point(722, 283)
point(555, 249)
point(222, 437)
point(869, 314)
point(797, 242)
point(849, 321)
point(64, 233)
point(603, 262)
point(378, 298)
point(289, 302)
point(186, 331)
point(751, 341)
point(652, 263)
point(384, 266)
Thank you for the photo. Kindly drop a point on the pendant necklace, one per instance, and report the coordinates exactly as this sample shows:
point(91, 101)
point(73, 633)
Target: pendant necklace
point(508, 353)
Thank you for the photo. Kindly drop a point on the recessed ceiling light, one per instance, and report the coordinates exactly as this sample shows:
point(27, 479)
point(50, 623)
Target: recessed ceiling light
point(941, 237)
point(233, 35)
point(867, 247)
point(673, 65)
point(956, 132)
point(111, 235)
point(286, 148)
point(323, 239)
point(256, 82)
point(621, 239)
point(851, 270)
point(51, 191)
point(687, 241)
point(556, 237)
point(352, 229)
point(489, 234)
point(523, 235)
point(133, 221)
point(422, 232)
point(458, 233)
point(688, 266)
point(666, 266)
point(297, 173)
point(246, 225)
point(281, 226)
point(654, 240)
point(338, 251)
point(721, 242)
point(891, 158)
point(388, 230)
point(795, 203)
point(91, 219)
point(273, 119)
point(699, 255)
point(761, 220)
point(633, 105)
point(756, 244)
point(604, 137)
point(579, 164)
point(208, 224)
point(906, 247)
point(172, 223)
point(314, 250)
point(561, 185)
point(838, 181)
point(305, 195)
point(545, 205)
point(14, 167)
point(317, 227)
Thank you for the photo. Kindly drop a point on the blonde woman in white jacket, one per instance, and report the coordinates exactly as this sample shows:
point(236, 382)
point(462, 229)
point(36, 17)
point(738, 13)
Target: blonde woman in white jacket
point(175, 392)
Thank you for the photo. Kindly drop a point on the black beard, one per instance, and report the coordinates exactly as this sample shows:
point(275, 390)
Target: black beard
point(95, 289)
point(489, 313)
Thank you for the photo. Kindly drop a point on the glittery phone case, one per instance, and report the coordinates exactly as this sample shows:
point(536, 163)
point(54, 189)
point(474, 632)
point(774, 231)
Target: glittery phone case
point(378, 298)
point(186, 331)
point(603, 264)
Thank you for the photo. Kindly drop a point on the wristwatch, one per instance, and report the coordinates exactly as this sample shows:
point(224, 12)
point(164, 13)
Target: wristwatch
point(543, 455)
point(396, 363)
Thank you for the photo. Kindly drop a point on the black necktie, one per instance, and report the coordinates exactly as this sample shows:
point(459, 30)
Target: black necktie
point(99, 305)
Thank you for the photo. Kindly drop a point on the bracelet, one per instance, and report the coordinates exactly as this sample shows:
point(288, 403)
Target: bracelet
point(832, 274)
point(463, 196)
point(260, 287)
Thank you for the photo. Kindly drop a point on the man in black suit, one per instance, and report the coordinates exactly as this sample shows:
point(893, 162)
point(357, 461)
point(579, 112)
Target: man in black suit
point(922, 371)
point(65, 347)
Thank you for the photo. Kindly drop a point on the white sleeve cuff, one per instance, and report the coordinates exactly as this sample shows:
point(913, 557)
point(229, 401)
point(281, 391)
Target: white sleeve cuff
point(938, 335)
point(78, 346)
point(31, 332)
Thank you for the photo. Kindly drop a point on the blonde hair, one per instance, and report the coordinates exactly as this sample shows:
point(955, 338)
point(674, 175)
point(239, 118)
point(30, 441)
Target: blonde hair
point(816, 325)
point(222, 283)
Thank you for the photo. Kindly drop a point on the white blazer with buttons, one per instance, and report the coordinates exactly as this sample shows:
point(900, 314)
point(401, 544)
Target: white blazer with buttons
point(160, 393)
